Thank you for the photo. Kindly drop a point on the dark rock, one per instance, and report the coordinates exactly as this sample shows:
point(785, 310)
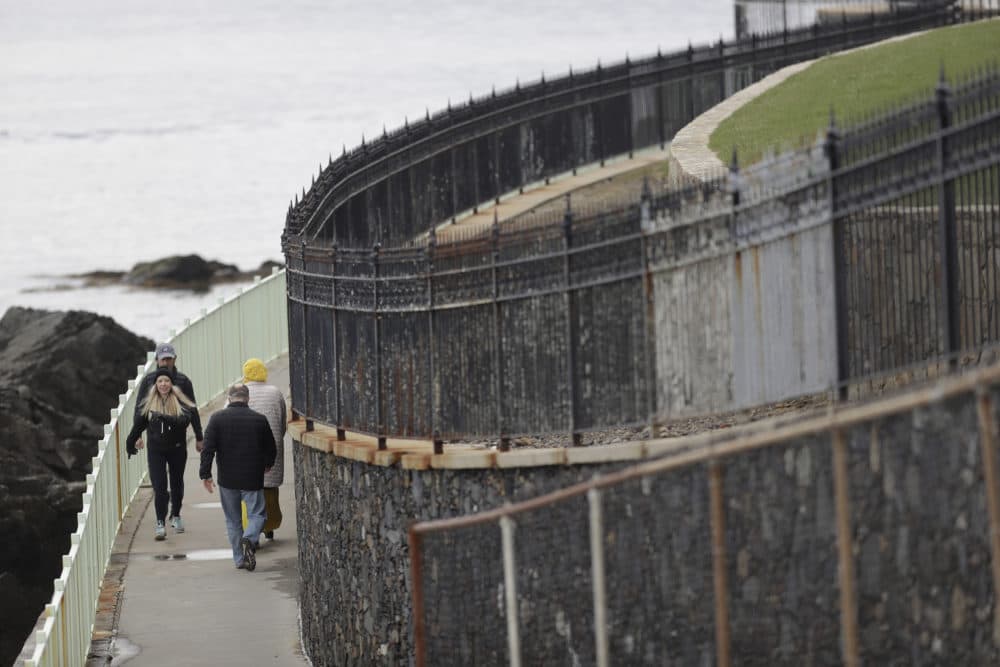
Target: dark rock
point(60, 375)
point(177, 272)
point(267, 267)
point(184, 271)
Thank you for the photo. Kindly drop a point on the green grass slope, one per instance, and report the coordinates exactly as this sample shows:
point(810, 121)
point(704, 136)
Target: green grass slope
point(854, 85)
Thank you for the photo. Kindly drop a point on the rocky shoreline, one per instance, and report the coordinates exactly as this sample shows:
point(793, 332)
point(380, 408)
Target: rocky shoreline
point(60, 375)
point(178, 272)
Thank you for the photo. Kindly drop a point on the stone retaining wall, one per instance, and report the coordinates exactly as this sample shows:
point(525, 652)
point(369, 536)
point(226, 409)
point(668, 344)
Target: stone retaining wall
point(352, 519)
point(921, 549)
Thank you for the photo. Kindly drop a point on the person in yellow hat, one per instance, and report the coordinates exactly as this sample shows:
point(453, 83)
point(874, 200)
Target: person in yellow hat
point(268, 401)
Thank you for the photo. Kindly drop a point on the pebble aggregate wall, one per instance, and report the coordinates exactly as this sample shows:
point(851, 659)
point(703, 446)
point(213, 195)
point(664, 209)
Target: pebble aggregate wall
point(920, 543)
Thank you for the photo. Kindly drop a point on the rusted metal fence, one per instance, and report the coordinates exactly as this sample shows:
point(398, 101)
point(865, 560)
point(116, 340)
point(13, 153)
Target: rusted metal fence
point(868, 534)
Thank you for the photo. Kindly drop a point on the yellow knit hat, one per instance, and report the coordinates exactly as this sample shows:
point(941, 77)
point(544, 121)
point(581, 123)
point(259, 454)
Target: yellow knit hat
point(254, 370)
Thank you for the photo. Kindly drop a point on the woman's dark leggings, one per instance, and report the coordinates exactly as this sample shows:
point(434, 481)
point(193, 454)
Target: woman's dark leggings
point(175, 459)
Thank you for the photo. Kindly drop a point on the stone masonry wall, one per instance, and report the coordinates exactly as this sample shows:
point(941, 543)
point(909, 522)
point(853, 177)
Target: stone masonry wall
point(353, 554)
point(920, 543)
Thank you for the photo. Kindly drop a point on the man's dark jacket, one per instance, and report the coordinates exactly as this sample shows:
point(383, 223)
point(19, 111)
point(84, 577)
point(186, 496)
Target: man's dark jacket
point(242, 438)
point(180, 381)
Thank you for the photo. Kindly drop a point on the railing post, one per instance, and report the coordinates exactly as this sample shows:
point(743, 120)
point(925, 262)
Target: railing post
point(631, 112)
point(510, 591)
point(845, 552)
point(988, 444)
point(598, 577)
point(691, 86)
point(660, 120)
point(947, 228)
point(496, 167)
point(417, 583)
point(648, 305)
point(722, 69)
point(379, 425)
point(454, 184)
point(498, 361)
point(720, 578)
point(432, 378)
point(735, 187)
point(571, 324)
point(302, 354)
point(839, 239)
point(338, 415)
point(599, 118)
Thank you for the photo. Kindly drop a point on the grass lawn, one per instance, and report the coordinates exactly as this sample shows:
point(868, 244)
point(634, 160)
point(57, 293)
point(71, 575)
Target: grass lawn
point(855, 86)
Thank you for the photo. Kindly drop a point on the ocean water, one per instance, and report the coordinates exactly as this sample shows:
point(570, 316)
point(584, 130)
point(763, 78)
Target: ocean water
point(131, 130)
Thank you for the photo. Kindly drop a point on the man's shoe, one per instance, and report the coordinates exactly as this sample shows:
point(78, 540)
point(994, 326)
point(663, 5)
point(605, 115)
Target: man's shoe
point(160, 533)
point(249, 559)
point(177, 524)
point(242, 565)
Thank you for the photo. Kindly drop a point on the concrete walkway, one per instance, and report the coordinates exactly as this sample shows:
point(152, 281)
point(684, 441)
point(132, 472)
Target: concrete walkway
point(182, 602)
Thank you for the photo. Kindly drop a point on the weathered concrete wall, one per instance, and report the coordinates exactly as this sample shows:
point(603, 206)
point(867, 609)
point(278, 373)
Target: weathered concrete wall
point(744, 307)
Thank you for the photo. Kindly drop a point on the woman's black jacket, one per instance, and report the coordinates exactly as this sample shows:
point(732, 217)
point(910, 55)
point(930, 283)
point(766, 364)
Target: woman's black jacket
point(162, 431)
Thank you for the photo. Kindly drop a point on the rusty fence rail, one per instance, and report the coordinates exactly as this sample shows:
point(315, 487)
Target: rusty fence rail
point(866, 534)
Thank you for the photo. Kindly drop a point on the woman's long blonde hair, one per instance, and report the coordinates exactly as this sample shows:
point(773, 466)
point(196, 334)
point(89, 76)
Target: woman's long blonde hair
point(171, 405)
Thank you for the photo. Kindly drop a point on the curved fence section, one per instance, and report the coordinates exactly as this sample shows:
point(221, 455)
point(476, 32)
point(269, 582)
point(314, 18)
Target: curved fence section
point(213, 347)
point(866, 254)
point(569, 323)
point(395, 188)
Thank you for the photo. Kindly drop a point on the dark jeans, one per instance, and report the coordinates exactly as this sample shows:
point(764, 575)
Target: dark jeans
point(160, 461)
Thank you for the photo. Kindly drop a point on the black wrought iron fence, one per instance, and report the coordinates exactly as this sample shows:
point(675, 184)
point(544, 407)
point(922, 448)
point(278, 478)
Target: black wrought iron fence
point(915, 221)
point(399, 185)
point(814, 271)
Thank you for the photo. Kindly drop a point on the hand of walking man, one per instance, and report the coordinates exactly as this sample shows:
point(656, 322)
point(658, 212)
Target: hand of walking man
point(209, 486)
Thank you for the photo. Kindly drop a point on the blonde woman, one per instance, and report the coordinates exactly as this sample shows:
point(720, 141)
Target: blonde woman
point(165, 415)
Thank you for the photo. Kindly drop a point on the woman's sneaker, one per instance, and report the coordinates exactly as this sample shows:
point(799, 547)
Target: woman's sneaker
point(177, 524)
point(160, 533)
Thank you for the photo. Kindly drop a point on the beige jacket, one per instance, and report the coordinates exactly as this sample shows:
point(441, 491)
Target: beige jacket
point(268, 401)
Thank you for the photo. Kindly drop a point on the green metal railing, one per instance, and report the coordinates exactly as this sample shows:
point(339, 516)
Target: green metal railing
point(251, 323)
